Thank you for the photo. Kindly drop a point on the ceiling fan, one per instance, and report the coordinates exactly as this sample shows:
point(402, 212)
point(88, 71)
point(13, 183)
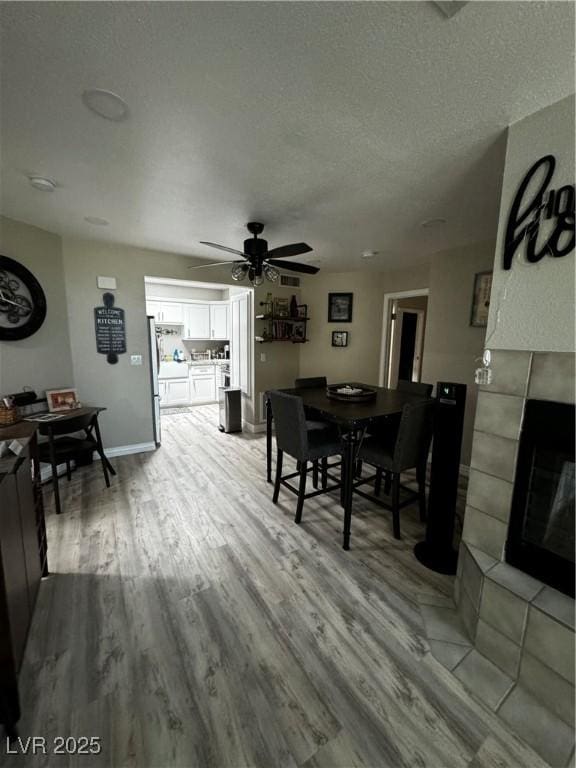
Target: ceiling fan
point(259, 262)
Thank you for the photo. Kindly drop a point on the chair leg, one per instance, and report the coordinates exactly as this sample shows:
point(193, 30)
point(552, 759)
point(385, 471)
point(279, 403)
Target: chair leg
point(421, 478)
point(301, 491)
point(358, 468)
point(100, 449)
point(378, 483)
point(68, 471)
point(315, 473)
point(395, 505)
point(279, 457)
point(324, 464)
point(387, 483)
point(54, 466)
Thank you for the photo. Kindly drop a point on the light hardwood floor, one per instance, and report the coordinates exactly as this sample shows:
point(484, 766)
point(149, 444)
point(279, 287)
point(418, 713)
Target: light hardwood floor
point(189, 622)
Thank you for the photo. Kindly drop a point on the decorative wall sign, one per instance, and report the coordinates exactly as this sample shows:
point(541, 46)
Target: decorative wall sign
point(524, 224)
point(340, 307)
point(110, 329)
point(481, 299)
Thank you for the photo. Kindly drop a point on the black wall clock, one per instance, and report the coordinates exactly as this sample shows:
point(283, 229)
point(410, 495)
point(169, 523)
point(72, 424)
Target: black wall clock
point(22, 301)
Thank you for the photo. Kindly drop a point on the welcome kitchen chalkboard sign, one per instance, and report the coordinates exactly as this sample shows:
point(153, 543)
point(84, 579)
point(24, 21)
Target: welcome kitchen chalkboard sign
point(110, 328)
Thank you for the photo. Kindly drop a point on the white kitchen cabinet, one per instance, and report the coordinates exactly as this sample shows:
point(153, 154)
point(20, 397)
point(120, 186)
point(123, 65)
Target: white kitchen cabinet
point(177, 392)
point(169, 312)
point(197, 321)
point(219, 321)
point(203, 389)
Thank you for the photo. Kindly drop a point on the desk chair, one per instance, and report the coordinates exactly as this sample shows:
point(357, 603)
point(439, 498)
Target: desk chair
point(294, 438)
point(58, 450)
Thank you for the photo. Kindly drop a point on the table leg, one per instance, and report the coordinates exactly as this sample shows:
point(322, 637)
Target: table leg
point(268, 441)
point(348, 471)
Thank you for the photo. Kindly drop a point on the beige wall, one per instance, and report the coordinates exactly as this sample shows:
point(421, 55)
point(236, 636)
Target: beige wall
point(43, 360)
point(360, 360)
point(125, 389)
point(452, 344)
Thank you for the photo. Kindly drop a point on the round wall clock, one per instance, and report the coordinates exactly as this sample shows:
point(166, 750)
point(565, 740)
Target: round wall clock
point(22, 301)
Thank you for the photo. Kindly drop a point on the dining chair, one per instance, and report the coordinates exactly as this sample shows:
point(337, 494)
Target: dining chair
point(294, 438)
point(414, 387)
point(62, 447)
point(396, 453)
point(311, 383)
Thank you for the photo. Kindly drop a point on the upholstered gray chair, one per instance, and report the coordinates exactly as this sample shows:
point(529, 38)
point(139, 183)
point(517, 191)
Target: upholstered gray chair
point(414, 387)
point(311, 383)
point(294, 438)
point(407, 449)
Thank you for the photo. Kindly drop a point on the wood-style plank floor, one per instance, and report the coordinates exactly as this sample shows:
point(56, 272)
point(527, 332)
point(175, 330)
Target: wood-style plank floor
point(189, 622)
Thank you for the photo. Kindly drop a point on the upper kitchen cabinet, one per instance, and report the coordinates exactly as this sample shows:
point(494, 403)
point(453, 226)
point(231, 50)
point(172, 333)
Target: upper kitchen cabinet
point(169, 312)
point(219, 321)
point(197, 321)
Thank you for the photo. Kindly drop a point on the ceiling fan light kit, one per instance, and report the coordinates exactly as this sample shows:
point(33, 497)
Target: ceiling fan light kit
point(260, 263)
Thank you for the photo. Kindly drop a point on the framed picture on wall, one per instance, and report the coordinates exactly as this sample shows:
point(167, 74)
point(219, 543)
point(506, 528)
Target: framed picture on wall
point(340, 307)
point(339, 338)
point(481, 299)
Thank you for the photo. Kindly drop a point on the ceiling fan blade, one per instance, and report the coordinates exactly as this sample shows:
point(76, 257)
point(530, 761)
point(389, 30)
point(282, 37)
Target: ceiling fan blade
point(295, 249)
point(294, 267)
point(224, 248)
point(214, 264)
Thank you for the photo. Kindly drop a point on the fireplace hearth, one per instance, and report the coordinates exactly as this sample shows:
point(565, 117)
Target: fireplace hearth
point(541, 530)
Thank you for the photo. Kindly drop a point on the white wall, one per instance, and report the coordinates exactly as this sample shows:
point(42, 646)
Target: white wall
point(43, 360)
point(532, 306)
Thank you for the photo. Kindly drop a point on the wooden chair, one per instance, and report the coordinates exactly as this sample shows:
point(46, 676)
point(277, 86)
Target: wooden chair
point(62, 446)
point(406, 449)
point(294, 438)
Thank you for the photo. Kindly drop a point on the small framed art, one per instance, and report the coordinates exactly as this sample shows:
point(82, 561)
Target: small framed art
point(339, 338)
point(481, 299)
point(340, 307)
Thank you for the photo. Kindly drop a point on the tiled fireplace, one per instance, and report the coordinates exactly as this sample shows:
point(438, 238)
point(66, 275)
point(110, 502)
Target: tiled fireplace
point(521, 628)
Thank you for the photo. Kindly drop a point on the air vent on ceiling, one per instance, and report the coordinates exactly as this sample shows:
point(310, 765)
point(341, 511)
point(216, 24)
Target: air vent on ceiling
point(290, 280)
point(450, 7)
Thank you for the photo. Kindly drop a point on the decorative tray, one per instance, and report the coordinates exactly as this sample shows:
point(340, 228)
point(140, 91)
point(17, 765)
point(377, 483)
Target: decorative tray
point(350, 393)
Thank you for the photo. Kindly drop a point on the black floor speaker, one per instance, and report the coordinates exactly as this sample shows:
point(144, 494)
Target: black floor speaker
point(437, 551)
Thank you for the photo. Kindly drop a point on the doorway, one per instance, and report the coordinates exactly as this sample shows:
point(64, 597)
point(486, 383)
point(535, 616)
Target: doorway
point(403, 334)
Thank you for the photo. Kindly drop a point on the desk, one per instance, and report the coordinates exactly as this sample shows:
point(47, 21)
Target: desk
point(351, 419)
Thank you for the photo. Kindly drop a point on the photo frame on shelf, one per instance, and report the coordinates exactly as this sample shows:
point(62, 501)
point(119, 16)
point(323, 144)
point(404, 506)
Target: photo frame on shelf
point(281, 307)
point(339, 338)
point(62, 399)
point(298, 333)
point(481, 299)
point(340, 307)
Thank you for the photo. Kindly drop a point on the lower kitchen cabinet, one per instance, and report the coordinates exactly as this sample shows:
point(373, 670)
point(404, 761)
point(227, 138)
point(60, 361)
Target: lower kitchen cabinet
point(177, 392)
point(203, 389)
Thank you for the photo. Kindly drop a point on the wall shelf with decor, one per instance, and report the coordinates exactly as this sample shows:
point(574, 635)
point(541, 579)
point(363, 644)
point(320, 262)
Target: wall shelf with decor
point(283, 322)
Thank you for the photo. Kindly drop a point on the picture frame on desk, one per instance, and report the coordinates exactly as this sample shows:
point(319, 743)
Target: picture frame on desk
point(62, 399)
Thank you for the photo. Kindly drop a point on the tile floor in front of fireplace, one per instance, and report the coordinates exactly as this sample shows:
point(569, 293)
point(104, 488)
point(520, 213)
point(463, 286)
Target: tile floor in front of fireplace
point(189, 622)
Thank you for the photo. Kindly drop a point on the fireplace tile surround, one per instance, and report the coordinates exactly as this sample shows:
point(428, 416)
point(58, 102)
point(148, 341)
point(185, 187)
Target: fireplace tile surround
point(518, 624)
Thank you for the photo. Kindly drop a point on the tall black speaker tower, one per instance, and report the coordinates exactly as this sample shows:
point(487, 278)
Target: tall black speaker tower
point(437, 552)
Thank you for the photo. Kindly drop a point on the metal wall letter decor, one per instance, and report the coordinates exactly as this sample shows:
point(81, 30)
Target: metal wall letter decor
point(524, 225)
point(110, 329)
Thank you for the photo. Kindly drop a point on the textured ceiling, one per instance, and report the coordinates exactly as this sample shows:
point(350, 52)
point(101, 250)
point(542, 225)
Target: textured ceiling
point(342, 124)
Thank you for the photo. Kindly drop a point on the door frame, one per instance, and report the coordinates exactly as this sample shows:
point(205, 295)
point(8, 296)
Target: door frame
point(385, 338)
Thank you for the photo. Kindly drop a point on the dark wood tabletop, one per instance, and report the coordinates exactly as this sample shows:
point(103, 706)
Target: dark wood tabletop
point(388, 402)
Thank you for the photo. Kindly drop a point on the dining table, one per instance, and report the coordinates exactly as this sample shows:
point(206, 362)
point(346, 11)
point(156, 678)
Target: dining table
point(353, 420)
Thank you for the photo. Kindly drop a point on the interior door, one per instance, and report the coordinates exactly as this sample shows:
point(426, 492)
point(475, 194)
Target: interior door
point(240, 347)
point(406, 345)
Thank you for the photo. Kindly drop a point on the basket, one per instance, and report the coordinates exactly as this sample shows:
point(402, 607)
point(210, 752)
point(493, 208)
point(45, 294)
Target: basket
point(8, 416)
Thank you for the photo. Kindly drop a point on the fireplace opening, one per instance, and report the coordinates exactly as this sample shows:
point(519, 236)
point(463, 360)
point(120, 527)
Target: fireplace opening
point(541, 531)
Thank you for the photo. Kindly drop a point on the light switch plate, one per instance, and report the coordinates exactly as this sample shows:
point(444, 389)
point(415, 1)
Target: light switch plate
point(107, 282)
point(135, 359)
point(262, 357)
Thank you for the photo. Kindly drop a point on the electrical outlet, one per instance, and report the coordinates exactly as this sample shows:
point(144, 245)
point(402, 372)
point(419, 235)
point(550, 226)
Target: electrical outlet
point(262, 357)
point(135, 359)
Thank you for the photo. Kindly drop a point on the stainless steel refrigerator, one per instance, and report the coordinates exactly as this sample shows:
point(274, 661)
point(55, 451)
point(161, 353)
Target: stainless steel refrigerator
point(154, 366)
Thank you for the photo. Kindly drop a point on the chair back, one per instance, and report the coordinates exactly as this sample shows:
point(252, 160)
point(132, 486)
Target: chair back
point(66, 426)
point(414, 387)
point(290, 424)
point(414, 435)
point(314, 381)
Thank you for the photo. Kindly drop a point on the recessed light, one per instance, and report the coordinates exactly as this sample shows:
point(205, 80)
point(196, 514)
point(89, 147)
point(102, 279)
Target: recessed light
point(369, 254)
point(97, 221)
point(42, 183)
point(429, 223)
point(105, 104)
